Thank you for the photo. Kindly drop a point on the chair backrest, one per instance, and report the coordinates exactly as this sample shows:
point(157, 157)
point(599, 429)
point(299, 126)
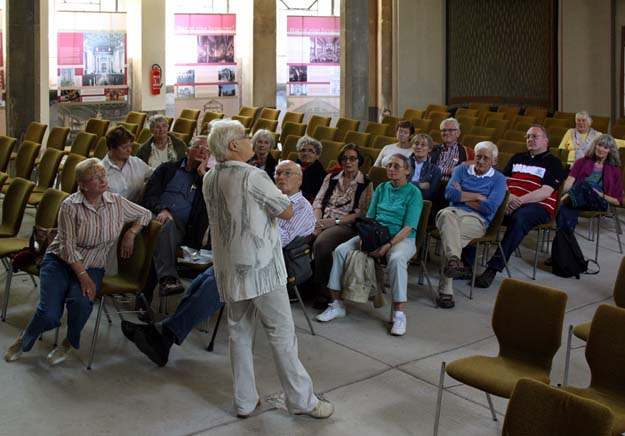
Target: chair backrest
point(569, 116)
point(7, 144)
point(515, 135)
point(69, 182)
point(49, 167)
point(556, 122)
point(483, 107)
point(248, 111)
point(292, 117)
point(57, 138)
point(466, 122)
point(330, 151)
point(184, 126)
point(471, 140)
point(17, 196)
point(537, 113)
point(361, 139)
point(206, 119)
point(25, 159)
point(170, 121)
point(344, 125)
point(143, 135)
point(413, 114)
point(289, 129)
point(190, 114)
point(268, 113)
point(35, 132)
point(245, 120)
point(537, 409)
point(464, 112)
point(97, 127)
point(600, 123)
point(3, 178)
point(48, 209)
point(136, 268)
point(376, 128)
point(605, 349)
point(289, 146)
point(83, 142)
point(131, 127)
point(437, 118)
point(377, 175)
point(495, 224)
point(392, 124)
point(509, 112)
point(619, 285)
point(262, 123)
point(502, 160)
point(527, 321)
point(522, 119)
point(423, 224)
point(370, 155)
point(434, 108)
point(325, 133)
point(101, 148)
point(137, 118)
point(423, 125)
point(509, 146)
point(317, 120)
point(380, 141)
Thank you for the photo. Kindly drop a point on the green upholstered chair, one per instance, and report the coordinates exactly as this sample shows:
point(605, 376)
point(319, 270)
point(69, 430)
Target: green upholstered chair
point(131, 127)
point(268, 113)
point(293, 117)
point(48, 170)
point(380, 141)
point(144, 135)
point(289, 146)
point(290, 128)
point(17, 195)
point(370, 154)
point(184, 127)
point(97, 126)
point(329, 152)
point(206, 119)
point(527, 321)
point(245, 120)
point(344, 125)
point(413, 114)
point(582, 331)
point(249, 111)
point(315, 121)
point(391, 122)
point(434, 108)
point(325, 133)
point(377, 175)
point(137, 118)
point(57, 138)
point(536, 409)
point(83, 142)
point(376, 128)
point(24, 162)
point(35, 132)
point(361, 139)
point(262, 123)
point(605, 354)
point(46, 217)
point(101, 149)
point(132, 273)
point(190, 114)
point(7, 144)
point(68, 175)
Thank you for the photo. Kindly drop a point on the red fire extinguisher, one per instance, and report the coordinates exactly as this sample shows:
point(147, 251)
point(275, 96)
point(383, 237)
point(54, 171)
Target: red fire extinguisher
point(155, 79)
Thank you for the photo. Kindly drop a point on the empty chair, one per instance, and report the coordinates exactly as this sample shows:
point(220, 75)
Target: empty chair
point(380, 141)
point(509, 112)
point(243, 119)
point(290, 146)
point(378, 175)
point(509, 146)
point(522, 119)
point(190, 114)
point(413, 114)
point(537, 409)
point(131, 127)
point(137, 118)
point(556, 122)
point(618, 131)
point(483, 131)
point(527, 322)
point(330, 152)
point(97, 127)
point(422, 125)
point(249, 111)
point(288, 129)
point(24, 162)
point(82, 143)
point(7, 144)
point(361, 139)
point(434, 108)
point(185, 127)
point(35, 132)
point(437, 118)
point(515, 135)
point(482, 107)
point(317, 120)
point(325, 133)
point(144, 135)
point(170, 121)
point(371, 155)
point(69, 183)
point(57, 138)
point(538, 114)
point(466, 122)
point(262, 123)
point(376, 128)
point(569, 116)
point(344, 125)
point(502, 160)
point(463, 112)
point(471, 140)
point(500, 126)
point(206, 119)
point(292, 117)
point(268, 113)
point(492, 116)
point(392, 124)
point(48, 170)
point(16, 195)
point(524, 127)
point(600, 123)
point(101, 149)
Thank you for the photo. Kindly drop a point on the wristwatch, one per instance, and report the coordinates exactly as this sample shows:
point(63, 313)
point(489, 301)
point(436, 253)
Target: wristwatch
point(337, 221)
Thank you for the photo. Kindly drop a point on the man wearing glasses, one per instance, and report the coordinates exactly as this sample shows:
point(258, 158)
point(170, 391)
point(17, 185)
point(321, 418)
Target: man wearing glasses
point(450, 153)
point(533, 180)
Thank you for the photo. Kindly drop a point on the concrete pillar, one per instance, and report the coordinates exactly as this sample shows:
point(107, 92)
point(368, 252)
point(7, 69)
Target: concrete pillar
point(264, 53)
point(27, 64)
point(385, 57)
point(355, 59)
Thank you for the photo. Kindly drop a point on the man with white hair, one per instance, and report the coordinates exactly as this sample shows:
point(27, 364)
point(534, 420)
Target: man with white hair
point(249, 268)
point(475, 192)
point(450, 153)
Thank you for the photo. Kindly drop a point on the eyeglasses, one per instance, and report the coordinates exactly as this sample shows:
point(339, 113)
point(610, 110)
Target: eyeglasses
point(531, 136)
point(98, 177)
point(394, 166)
point(448, 130)
point(200, 147)
point(307, 150)
point(286, 173)
point(479, 157)
point(349, 158)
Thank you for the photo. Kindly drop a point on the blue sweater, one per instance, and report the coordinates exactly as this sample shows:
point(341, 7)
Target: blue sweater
point(494, 188)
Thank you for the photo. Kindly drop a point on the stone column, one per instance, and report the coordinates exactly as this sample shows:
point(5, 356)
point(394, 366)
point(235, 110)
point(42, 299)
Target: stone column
point(24, 77)
point(385, 57)
point(355, 59)
point(264, 53)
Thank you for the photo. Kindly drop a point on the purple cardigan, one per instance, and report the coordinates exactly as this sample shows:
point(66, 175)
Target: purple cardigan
point(612, 180)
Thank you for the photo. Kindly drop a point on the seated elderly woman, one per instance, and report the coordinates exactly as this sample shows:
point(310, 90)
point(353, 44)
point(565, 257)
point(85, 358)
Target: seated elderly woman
point(309, 150)
point(404, 130)
point(342, 198)
point(263, 142)
point(90, 222)
point(126, 174)
point(594, 182)
point(578, 140)
point(424, 174)
point(396, 204)
point(162, 146)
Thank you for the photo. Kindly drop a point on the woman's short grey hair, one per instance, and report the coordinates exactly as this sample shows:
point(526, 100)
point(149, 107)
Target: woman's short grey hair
point(422, 137)
point(264, 134)
point(584, 114)
point(86, 166)
point(613, 156)
point(222, 134)
point(405, 160)
point(155, 119)
point(306, 140)
point(487, 145)
point(450, 120)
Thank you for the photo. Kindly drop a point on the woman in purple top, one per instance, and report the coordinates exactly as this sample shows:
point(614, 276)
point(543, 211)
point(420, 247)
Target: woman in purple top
point(595, 181)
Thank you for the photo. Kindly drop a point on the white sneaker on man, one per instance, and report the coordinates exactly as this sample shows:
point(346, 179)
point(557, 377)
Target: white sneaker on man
point(336, 309)
point(399, 324)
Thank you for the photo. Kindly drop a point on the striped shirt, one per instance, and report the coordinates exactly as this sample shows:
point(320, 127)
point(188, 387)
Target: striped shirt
point(302, 223)
point(448, 159)
point(87, 234)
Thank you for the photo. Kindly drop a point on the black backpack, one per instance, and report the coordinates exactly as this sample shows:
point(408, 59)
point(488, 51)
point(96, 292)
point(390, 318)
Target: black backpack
point(568, 259)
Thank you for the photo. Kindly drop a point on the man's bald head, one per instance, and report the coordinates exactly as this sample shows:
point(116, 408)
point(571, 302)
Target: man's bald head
point(288, 176)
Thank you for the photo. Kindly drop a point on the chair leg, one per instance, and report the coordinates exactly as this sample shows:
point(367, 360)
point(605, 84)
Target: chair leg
point(95, 332)
point(617, 227)
point(301, 303)
point(439, 398)
point(108, 317)
point(492, 408)
point(32, 279)
point(429, 282)
point(505, 262)
point(567, 358)
point(7, 290)
point(477, 250)
point(597, 231)
point(538, 238)
point(211, 344)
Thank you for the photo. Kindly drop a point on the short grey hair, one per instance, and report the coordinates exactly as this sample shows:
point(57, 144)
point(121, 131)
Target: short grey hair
point(298, 168)
point(86, 166)
point(222, 134)
point(305, 140)
point(487, 145)
point(197, 139)
point(158, 118)
point(264, 133)
point(450, 120)
point(583, 114)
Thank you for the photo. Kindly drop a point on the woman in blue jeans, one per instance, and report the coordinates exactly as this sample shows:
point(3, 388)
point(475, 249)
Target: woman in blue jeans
point(89, 225)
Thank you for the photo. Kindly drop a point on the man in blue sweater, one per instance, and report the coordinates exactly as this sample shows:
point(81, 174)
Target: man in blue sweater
point(475, 192)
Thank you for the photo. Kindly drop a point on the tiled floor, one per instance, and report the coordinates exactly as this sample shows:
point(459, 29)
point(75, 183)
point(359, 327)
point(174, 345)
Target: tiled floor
point(379, 384)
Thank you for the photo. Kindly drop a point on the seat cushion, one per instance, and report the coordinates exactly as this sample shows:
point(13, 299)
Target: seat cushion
point(495, 375)
point(12, 245)
point(118, 285)
point(612, 400)
point(582, 331)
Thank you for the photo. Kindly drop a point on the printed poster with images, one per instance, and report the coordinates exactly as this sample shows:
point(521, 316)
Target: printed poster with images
point(313, 56)
point(205, 56)
point(91, 57)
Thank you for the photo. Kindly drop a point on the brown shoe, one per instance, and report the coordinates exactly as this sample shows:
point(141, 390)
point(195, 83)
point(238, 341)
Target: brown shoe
point(170, 286)
point(15, 350)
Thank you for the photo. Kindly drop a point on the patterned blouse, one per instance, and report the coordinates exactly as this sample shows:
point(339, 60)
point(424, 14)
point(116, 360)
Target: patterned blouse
point(448, 159)
point(341, 201)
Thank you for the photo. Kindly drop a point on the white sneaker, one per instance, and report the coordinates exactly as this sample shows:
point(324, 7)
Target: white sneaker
point(60, 353)
point(15, 350)
point(399, 324)
point(335, 309)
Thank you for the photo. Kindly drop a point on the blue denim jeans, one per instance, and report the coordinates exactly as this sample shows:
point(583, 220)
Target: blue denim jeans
point(567, 217)
point(58, 286)
point(199, 302)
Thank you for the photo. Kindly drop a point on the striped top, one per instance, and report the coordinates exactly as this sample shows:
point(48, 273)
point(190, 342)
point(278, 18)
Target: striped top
point(302, 223)
point(527, 174)
point(87, 234)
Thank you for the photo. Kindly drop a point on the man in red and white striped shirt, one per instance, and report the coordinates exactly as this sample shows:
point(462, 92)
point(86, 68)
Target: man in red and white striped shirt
point(533, 180)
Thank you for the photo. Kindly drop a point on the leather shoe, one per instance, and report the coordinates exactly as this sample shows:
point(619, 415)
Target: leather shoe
point(170, 286)
point(129, 329)
point(486, 279)
point(151, 343)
